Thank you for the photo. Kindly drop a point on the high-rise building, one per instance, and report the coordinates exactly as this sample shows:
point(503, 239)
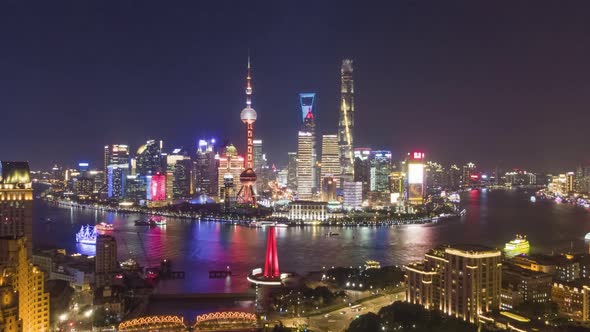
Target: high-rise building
point(149, 158)
point(305, 165)
point(415, 172)
point(228, 191)
point(182, 179)
point(460, 280)
point(397, 187)
point(115, 154)
point(16, 201)
point(27, 282)
point(308, 112)
point(292, 171)
point(258, 160)
point(116, 177)
point(353, 195)
point(330, 159)
point(247, 195)
point(434, 176)
point(329, 185)
point(136, 187)
point(156, 187)
point(380, 170)
point(206, 168)
point(362, 168)
point(260, 167)
point(470, 177)
point(307, 104)
point(171, 160)
point(346, 122)
point(229, 163)
point(105, 260)
point(454, 177)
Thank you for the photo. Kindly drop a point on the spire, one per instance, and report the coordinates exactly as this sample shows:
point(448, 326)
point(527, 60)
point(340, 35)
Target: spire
point(248, 85)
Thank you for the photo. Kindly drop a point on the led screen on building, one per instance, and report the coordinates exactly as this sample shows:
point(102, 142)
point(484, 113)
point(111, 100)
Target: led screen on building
point(415, 173)
point(156, 187)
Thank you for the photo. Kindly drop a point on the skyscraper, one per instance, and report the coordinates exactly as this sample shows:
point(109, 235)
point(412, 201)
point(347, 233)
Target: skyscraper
point(229, 163)
point(16, 201)
point(305, 165)
point(206, 169)
point(307, 103)
point(116, 178)
point(346, 122)
point(415, 165)
point(308, 113)
point(362, 168)
point(182, 179)
point(149, 158)
point(178, 154)
point(380, 171)
point(292, 171)
point(115, 154)
point(330, 159)
point(247, 195)
point(353, 195)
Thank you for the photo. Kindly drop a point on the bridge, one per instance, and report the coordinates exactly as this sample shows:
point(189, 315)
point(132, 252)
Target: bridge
point(226, 320)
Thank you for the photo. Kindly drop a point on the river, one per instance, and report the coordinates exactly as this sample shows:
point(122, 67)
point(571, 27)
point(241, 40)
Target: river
point(493, 217)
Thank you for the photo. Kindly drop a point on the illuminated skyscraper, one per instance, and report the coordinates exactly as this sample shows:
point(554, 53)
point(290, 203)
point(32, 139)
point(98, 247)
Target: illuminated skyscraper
point(206, 168)
point(362, 168)
point(156, 187)
point(470, 177)
point(116, 177)
point(171, 160)
point(380, 171)
point(346, 122)
point(308, 113)
point(16, 201)
point(247, 195)
point(353, 195)
point(330, 159)
point(415, 172)
point(182, 179)
point(229, 163)
point(105, 260)
point(115, 154)
point(307, 103)
point(292, 171)
point(149, 158)
point(305, 165)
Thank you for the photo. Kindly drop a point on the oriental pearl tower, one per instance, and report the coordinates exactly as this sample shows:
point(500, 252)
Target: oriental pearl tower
point(246, 195)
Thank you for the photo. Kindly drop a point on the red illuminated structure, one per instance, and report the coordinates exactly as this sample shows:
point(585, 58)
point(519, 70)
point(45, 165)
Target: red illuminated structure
point(246, 195)
point(157, 187)
point(270, 275)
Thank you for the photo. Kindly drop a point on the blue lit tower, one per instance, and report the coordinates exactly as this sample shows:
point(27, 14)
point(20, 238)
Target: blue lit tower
point(246, 195)
point(307, 102)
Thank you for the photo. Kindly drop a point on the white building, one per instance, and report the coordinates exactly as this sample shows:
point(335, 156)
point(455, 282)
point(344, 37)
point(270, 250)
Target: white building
point(353, 195)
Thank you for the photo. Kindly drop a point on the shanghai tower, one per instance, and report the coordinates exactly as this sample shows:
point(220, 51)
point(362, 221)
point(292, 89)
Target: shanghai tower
point(346, 123)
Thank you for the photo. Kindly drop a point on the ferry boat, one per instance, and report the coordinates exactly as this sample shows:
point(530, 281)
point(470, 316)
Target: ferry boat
point(87, 235)
point(157, 220)
point(103, 226)
point(263, 223)
point(518, 245)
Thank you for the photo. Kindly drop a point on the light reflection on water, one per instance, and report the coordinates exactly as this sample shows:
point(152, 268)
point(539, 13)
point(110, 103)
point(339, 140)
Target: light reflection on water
point(493, 218)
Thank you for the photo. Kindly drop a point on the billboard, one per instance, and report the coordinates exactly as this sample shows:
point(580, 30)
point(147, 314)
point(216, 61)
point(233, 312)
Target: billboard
point(156, 187)
point(415, 173)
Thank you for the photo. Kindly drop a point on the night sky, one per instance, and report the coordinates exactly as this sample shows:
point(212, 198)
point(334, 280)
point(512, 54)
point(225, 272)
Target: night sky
point(500, 83)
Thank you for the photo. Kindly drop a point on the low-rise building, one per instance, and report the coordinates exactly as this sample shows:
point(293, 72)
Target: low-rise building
point(308, 211)
point(524, 286)
point(572, 298)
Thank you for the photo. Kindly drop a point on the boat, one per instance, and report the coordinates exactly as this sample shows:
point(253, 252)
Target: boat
point(157, 220)
point(332, 234)
point(103, 226)
point(517, 246)
point(142, 223)
point(533, 199)
point(87, 235)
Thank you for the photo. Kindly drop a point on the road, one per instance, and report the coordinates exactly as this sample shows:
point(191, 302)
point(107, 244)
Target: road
point(338, 320)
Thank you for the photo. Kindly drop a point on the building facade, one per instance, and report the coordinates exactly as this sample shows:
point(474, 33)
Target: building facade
point(346, 121)
point(305, 165)
point(330, 165)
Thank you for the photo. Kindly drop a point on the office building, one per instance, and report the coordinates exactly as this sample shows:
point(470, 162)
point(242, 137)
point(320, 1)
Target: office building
point(182, 185)
point(136, 188)
point(116, 177)
point(329, 186)
point(362, 168)
point(115, 154)
point(346, 122)
point(415, 178)
point(16, 201)
point(308, 112)
point(572, 299)
point(171, 159)
point(305, 165)
point(292, 171)
point(434, 176)
point(380, 170)
point(206, 169)
point(460, 280)
point(397, 187)
point(353, 195)
point(27, 282)
point(149, 158)
point(156, 187)
point(308, 211)
point(229, 163)
point(470, 177)
point(105, 260)
point(454, 176)
point(524, 286)
point(330, 166)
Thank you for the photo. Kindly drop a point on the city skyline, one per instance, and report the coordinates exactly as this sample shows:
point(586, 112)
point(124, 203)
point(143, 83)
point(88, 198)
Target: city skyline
point(127, 78)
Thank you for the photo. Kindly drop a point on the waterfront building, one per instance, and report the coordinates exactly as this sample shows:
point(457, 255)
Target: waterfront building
point(206, 169)
point(247, 194)
point(16, 201)
point(353, 195)
point(415, 170)
point(362, 168)
point(308, 114)
point(116, 177)
point(570, 181)
point(156, 187)
point(105, 260)
point(380, 162)
point(454, 176)
point(346, 122)
point(149, 158)
point(83, 186)
point(519, 178)
point(171, 160)
point(469, 177)
point(27, 282)
point(582, 184)
point(397, 182)
point(292, 171)
point(460, 280)
point(305, 165)
point(182, 185)
point(228, 191)
point(330, 166)
point(229, 163)
point(434, 176)
point(115, 154)
point(135, 187)
point(308, 211)
point(524, 286)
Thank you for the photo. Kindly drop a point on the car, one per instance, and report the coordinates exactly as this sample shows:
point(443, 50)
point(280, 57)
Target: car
point(326, 315)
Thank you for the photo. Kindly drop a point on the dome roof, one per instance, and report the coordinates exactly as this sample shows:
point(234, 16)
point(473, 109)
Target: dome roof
point(248, 176)
point(248, 114)
point(231, 150)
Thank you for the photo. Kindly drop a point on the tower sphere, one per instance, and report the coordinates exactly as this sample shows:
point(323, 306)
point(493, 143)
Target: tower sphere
point(248, 177)
point(248, 115)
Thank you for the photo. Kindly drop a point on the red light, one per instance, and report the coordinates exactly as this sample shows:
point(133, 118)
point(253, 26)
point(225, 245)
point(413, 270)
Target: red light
point(474, 176)
point(418, 155)
point(158, 187)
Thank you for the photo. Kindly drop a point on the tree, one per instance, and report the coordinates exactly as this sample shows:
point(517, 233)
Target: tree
point(365, 323)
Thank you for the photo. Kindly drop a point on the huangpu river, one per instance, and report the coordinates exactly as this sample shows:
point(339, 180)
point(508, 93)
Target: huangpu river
point(493, 218)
